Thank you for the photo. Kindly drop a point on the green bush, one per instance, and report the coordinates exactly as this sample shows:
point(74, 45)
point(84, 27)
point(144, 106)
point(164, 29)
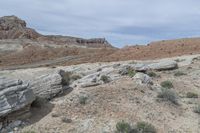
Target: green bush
point(123, 127)
point(167, 84)
point(179, 73)
point(152, 74)
point(83, 99)
point(197, 109)
point(144, 127)
point(141, 127)
point(131, 72)
point(105, 79)
point(192, 95)
point(168, 95)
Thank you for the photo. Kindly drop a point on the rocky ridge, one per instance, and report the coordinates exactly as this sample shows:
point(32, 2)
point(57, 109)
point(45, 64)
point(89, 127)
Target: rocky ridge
point(12, 27)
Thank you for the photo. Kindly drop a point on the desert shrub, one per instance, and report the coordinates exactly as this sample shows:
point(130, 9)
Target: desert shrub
point(132, 62)
point(152, 74)
point(168, 95)
point(140, 127)
point(197, 109)
point(179, 73)
point(66, 77)
point(131, 72)
point(179, 60)
point(83, 99)
point(192, 95)
point(105, 79)
point(144, 127)
point(29, 132)
point(123, 127)
point(167, 84)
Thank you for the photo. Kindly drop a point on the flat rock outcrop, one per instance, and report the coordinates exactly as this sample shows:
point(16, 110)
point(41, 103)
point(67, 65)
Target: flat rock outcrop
point(164, 65)
point(14, 96)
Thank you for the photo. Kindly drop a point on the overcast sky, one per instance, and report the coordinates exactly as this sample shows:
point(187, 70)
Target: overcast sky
point(121, 22)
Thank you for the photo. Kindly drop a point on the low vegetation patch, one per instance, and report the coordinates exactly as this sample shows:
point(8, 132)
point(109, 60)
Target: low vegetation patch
point(29, 132)
point(145, 127)
point(152, 74)
point(179, 73)
point(133, 62)
point(131, 72)
point(68, 77)
point(123, 127)
point(105, 79)
point(168, 95)
point(140, 127)
point(167, 84)
point(83, 100)
point(192, 95)
point(179, 60)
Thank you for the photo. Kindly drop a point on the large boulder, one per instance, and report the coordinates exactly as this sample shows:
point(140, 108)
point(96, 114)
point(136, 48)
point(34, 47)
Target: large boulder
point(14, 96)
point(164, 65)
point(140, 67)
point(47, 86)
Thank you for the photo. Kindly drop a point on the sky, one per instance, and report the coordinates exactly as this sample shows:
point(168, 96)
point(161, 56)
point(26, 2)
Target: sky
point(121, 22)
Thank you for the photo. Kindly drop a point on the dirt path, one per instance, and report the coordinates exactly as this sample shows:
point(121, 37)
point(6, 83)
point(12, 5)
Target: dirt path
point(42, 63)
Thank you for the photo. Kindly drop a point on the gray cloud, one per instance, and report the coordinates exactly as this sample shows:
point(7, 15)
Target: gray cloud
point(120, 21)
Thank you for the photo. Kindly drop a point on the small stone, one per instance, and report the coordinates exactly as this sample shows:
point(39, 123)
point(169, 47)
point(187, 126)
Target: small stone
point(55, 115)
point(66, 120)
point(100, 69)
point(16, 128)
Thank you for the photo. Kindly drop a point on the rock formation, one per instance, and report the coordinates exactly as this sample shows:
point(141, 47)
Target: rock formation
point(14, 96)
point(47, 86)
point(11, 27)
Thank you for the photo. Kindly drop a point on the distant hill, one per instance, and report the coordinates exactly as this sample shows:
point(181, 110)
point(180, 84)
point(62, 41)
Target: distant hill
point(159, 49)
point(22, 45)
point(12, 27)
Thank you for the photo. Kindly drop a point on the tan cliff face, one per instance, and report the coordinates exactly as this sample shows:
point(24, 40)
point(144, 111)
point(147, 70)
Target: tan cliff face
point(12, 27)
